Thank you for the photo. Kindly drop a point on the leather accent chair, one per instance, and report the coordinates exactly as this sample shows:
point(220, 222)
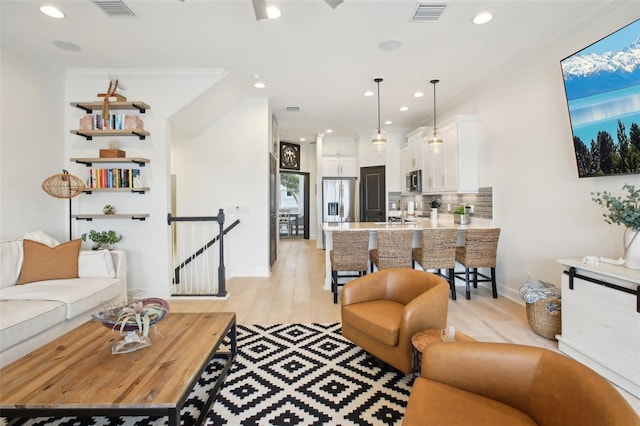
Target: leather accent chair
point(383, 310)
point(484, 384)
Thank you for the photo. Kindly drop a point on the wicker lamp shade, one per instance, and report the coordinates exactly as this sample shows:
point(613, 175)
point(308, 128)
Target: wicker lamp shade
point(63, 185)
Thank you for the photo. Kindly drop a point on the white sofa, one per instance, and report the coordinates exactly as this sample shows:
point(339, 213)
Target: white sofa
point(35, 313)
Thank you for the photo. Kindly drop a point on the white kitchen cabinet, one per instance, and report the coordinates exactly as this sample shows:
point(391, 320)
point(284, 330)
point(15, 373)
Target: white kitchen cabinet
point(415, 148)
point(454, 168)
point(339, 167)
point(405, 166)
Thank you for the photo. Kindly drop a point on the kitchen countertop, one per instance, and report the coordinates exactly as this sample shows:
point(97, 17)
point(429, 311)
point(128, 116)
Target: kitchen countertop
point(416, 223)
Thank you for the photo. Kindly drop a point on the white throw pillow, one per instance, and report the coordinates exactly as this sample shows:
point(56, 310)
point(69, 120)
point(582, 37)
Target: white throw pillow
point(42, 238)
point(95, 263)
point(11, 255)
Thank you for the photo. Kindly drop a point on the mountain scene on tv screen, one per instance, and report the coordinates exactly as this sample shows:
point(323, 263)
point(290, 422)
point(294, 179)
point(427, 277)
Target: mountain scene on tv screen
point(602, 85)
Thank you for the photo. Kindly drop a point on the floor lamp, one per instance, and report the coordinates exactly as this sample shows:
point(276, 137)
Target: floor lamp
point(64, 185)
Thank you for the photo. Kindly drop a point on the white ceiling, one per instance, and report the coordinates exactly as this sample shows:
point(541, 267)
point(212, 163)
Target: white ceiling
point(315, 57)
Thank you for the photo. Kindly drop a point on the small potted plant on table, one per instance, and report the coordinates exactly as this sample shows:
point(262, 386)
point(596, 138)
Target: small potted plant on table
point(461, 217)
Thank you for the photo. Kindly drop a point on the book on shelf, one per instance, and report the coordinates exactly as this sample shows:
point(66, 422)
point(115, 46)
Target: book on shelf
point(112, 122)
point(112, 178)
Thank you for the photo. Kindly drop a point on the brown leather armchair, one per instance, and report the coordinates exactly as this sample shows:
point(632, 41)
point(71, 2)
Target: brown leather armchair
point(504, 384)
point(381, 311)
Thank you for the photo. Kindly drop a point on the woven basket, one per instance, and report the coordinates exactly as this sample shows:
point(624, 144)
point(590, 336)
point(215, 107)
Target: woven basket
point(541, 321)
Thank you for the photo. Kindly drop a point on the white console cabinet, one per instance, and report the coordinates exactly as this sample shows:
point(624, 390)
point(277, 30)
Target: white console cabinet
point(601, 320)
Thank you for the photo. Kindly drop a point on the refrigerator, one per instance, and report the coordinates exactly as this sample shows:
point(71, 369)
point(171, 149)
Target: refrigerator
point(339, 200)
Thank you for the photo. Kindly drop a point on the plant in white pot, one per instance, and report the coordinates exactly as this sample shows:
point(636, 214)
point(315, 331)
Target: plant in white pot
point(102, 240)
point(625, 212)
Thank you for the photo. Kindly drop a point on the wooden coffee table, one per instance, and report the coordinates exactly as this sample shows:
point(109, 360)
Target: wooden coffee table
point(77, 375)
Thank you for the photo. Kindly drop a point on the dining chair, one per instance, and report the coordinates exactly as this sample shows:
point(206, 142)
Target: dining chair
point(437, 252)
point(285, 221)
point(349, 257)
point(394, 249)
point(479, 251)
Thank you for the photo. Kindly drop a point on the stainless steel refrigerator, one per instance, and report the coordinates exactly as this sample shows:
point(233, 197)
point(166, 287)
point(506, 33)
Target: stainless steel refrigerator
point(339, 199)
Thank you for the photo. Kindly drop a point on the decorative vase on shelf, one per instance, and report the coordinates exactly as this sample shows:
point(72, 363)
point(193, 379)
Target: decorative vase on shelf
point(434, 217)
point(632, 249)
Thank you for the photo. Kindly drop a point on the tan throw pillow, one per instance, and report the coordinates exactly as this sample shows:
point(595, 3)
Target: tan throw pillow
point(45, 263)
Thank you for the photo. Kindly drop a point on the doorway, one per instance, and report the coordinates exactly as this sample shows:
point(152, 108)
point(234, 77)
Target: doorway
point(293, 210)
point(273, 210)
point(373, 190)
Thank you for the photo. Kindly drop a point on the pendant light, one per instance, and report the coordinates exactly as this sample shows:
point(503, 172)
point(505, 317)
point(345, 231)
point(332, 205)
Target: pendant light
point(379, 138)
point(434, 141)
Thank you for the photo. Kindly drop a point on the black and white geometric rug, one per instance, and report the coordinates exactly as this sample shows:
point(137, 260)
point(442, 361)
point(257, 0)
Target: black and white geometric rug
point(289, 374)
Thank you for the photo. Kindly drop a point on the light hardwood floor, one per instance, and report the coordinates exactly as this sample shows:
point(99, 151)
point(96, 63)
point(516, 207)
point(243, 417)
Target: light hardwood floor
point(295, 294)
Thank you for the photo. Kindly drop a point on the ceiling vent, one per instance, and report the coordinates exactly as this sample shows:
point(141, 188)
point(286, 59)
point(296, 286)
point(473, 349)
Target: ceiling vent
point(292, 108)
point(114, 8)
point(428, 12)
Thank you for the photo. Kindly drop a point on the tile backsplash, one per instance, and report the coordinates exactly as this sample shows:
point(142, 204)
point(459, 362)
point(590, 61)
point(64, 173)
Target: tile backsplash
point(482, 202)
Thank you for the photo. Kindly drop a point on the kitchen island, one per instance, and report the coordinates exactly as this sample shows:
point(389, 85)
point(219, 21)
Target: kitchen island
point(415, 223)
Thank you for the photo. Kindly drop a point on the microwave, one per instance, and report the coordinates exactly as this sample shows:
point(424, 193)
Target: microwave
point(414, 181)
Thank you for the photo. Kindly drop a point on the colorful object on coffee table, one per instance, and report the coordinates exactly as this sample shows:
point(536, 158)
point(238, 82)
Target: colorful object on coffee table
point(134, 321)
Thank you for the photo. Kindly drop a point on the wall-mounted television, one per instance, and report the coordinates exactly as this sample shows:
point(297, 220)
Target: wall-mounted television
point(602, 88)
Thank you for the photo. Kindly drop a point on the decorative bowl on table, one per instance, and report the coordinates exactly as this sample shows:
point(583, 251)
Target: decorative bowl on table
point(133, 320)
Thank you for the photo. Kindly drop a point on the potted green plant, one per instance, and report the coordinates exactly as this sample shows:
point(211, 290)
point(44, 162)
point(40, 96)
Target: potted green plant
point(461, 217)
point(624, 211)
point(102, 240)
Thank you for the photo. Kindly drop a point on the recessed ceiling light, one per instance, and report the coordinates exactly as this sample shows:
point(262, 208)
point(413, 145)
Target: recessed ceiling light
point(328, 131)
point(368, 93)
point(418, 95)
point(67, 45)
point(273, 12)
point(388, 122)
point(303, 140)
point(404, 108)
point(52, 11)
point(259, 85)
point(482, 18)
